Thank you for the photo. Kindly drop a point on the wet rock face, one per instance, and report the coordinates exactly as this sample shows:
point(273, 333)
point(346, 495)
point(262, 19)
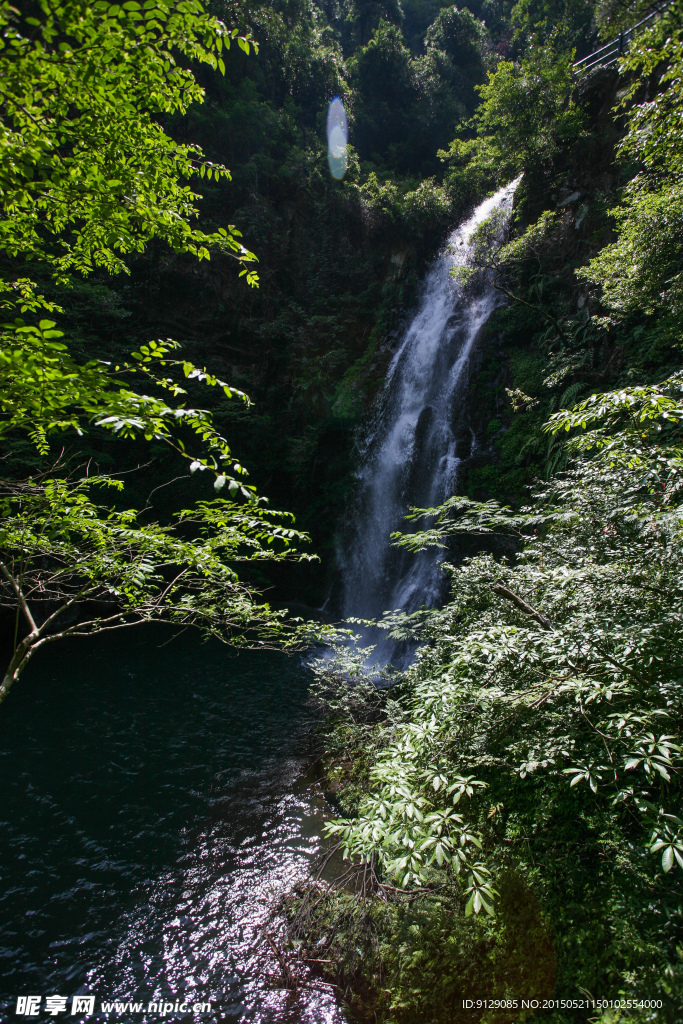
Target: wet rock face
point(464, 440)
point(596, 91)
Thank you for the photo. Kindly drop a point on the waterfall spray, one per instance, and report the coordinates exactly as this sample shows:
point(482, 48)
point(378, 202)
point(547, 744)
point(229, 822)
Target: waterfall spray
point(412, 450)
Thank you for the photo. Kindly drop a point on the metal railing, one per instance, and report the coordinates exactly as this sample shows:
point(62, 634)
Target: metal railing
point(609, 54)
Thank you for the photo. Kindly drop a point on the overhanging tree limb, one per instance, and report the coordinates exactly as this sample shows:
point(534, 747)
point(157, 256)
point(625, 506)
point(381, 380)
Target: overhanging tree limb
point(503, 591)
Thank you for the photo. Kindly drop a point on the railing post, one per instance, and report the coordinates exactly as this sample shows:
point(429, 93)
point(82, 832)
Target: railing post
point(589, 62)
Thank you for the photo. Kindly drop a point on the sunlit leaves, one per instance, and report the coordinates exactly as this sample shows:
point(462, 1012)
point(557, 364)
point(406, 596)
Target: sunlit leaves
point(567, 679)
point(66, 554)
point(643, 269)
point(668, 840)
point(44, 391)
point(87, 173)
point(653, 754)
point(525, 118)
point(480, 891)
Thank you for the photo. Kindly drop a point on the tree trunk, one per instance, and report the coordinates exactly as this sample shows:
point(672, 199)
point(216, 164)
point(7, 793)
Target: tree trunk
point(17, 664)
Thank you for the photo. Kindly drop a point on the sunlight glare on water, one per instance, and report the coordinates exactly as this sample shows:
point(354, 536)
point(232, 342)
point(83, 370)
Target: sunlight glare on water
point(156, 808)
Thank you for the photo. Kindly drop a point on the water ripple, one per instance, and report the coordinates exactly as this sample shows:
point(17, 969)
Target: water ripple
point(157, 809)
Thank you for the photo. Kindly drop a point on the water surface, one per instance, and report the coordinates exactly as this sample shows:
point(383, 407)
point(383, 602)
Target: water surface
point(154, 806)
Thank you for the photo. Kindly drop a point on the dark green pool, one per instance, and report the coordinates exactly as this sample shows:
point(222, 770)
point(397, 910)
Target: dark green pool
point(153, 806)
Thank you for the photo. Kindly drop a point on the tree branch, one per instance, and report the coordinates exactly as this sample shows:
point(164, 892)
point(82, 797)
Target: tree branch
point(20, 598)
point(502, 591)
point(529, 305)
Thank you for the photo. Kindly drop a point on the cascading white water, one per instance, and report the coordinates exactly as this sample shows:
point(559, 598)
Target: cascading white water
point(415, 444)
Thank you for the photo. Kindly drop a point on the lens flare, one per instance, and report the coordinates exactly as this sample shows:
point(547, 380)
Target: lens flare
point(337, 138)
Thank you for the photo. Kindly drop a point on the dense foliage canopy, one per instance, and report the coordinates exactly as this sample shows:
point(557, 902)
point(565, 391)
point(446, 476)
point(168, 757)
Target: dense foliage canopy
point(88, 176)
point(643, 269)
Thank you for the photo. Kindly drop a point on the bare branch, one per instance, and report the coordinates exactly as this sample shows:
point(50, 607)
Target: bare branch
point(20, 598)
point(502, 591)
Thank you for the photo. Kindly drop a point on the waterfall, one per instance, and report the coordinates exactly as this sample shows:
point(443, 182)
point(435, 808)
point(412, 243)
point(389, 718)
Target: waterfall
point(417, 439)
